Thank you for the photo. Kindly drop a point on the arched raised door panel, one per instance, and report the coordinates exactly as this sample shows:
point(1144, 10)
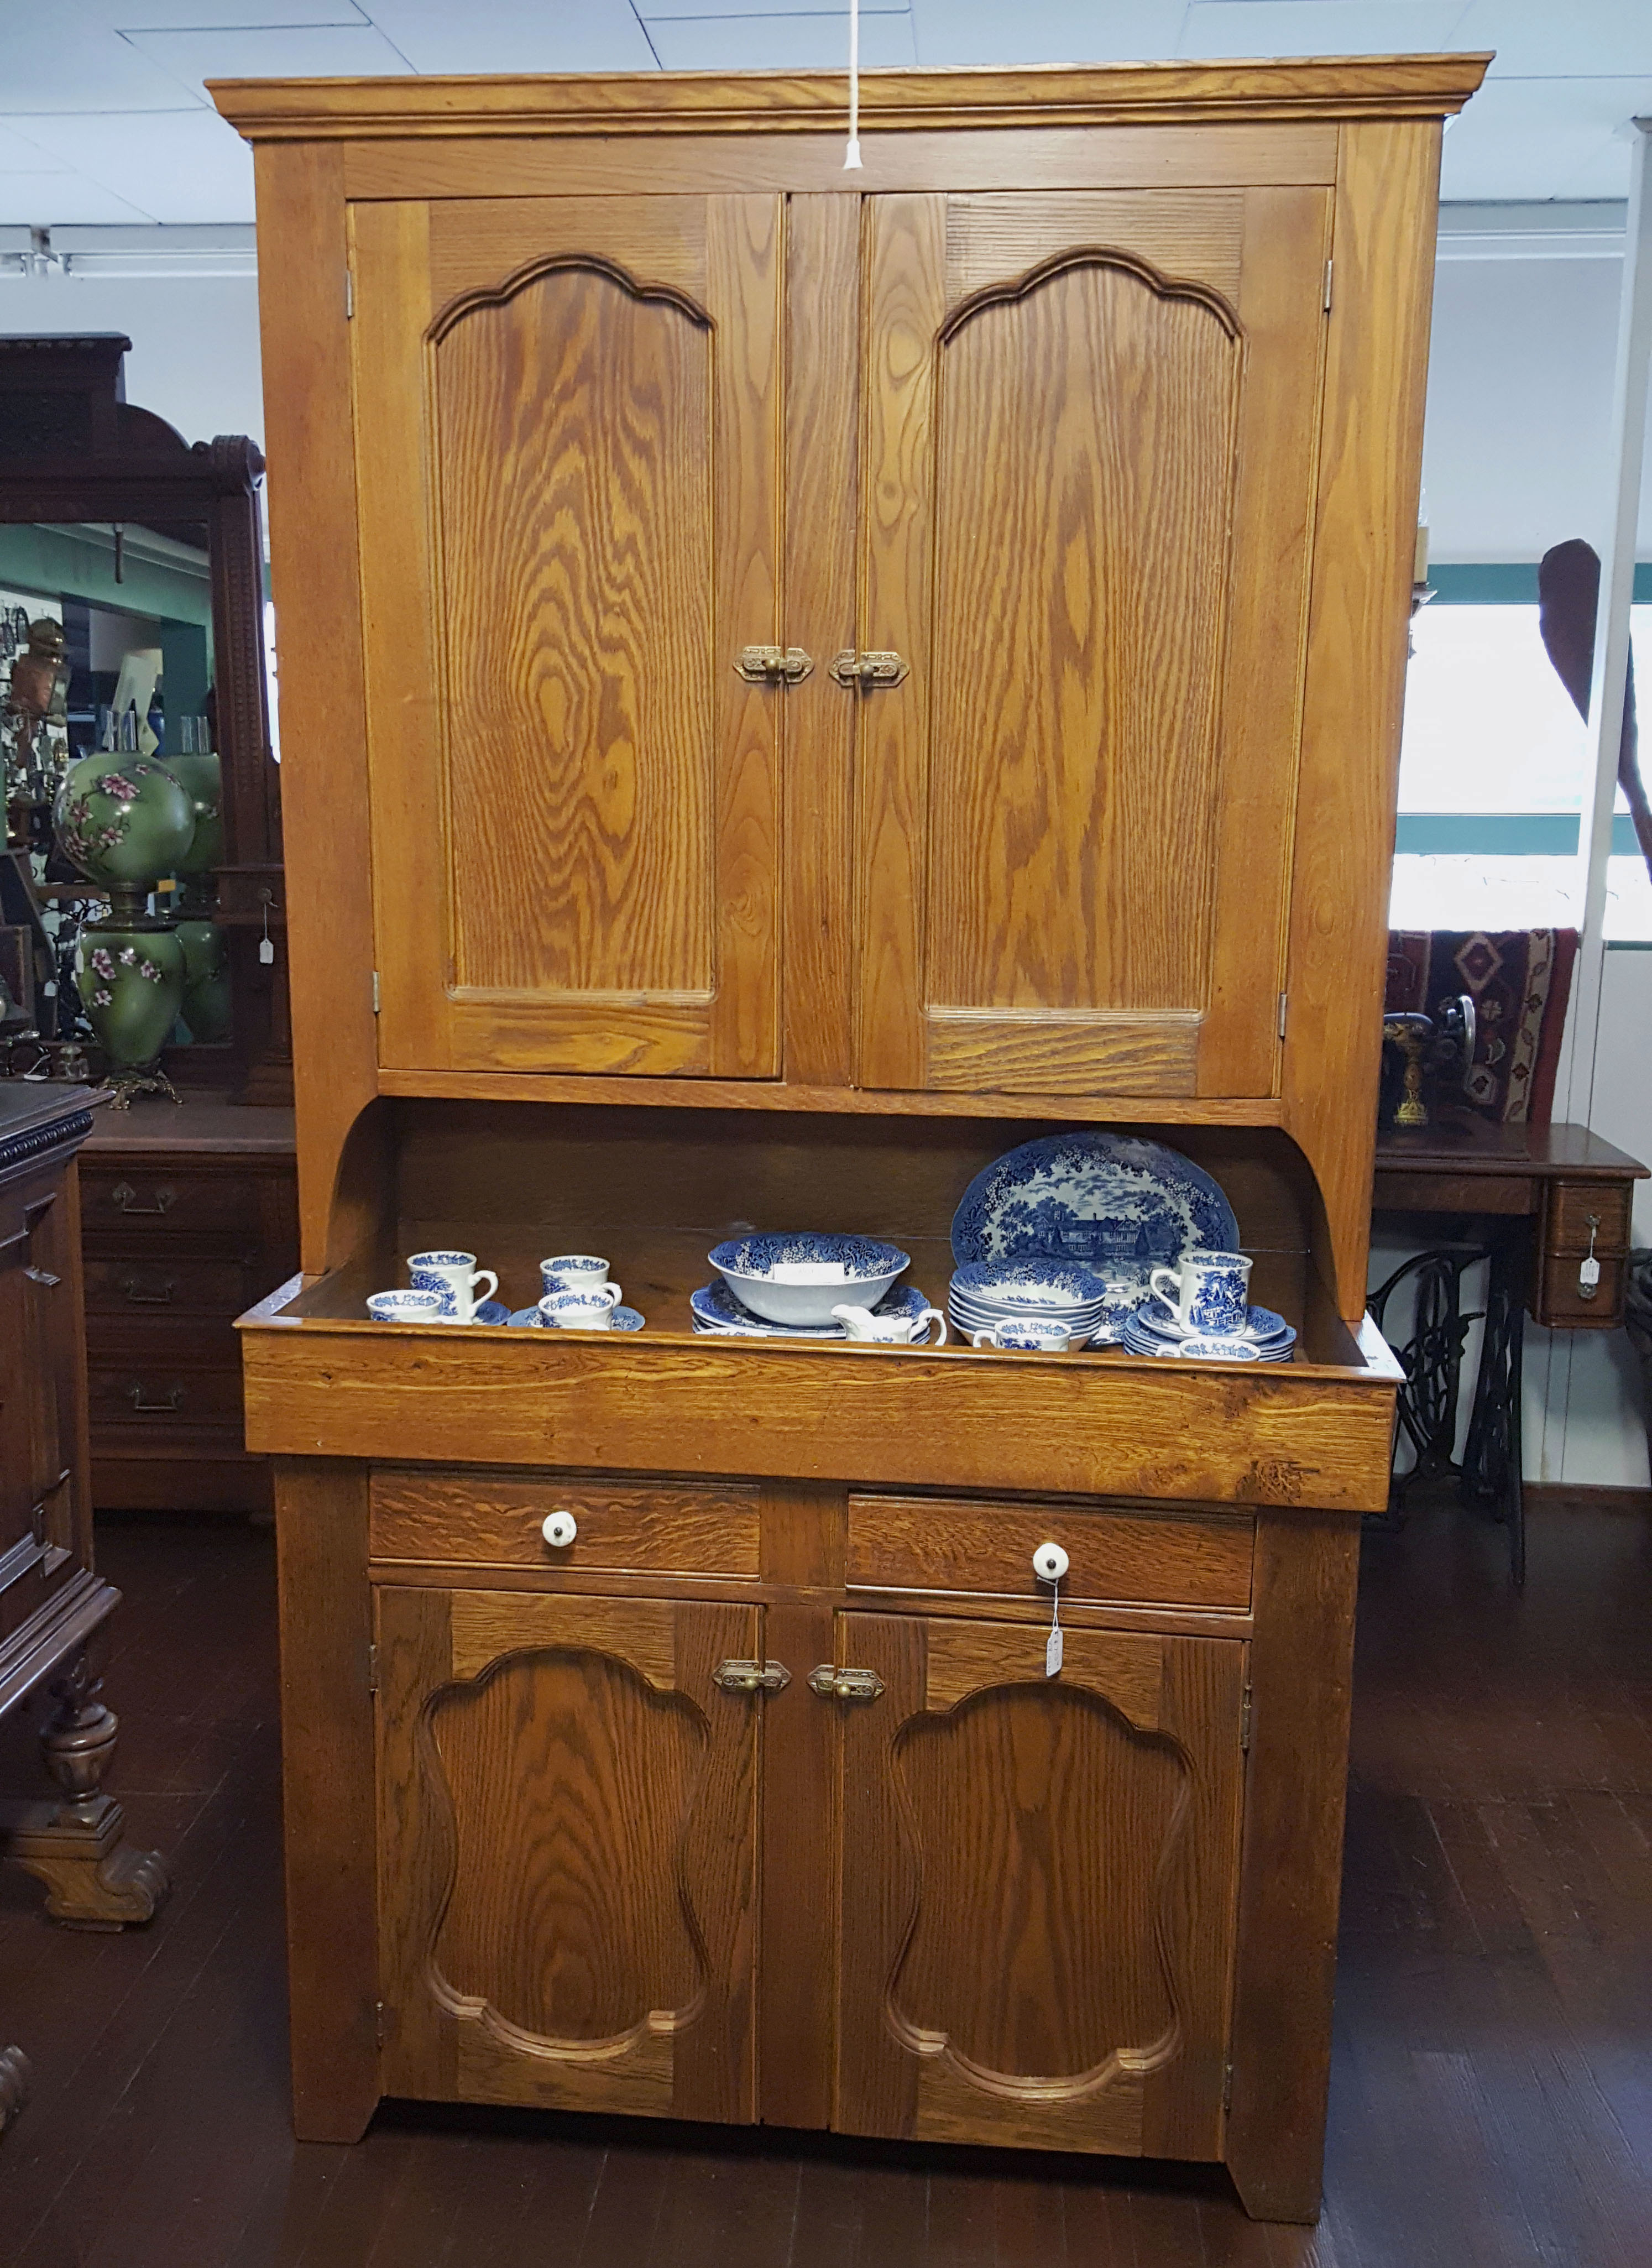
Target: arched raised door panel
point(569, 1801)
point(1020, 1961)
point(567, 431)
point(1086, 526)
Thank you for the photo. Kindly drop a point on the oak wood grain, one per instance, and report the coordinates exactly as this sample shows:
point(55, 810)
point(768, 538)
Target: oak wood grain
point(940, 1544)
point(328, 1800)
point(1213, 93)
point(1370, 460)
point(1196, 234)
point(308, 438)
point(498, 1519)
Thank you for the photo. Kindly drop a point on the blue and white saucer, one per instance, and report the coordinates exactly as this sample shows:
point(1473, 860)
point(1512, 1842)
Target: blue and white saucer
point(624, 1319)
point(491, 1311)
point(1261, 1325)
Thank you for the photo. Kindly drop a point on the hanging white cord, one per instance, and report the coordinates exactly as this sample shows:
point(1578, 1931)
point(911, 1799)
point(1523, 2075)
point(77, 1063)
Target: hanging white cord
point(852, 157)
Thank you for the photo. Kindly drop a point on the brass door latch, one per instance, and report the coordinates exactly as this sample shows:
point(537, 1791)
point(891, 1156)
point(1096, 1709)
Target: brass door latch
point(866, 670)
point(773, 664)
point(834, 1684)
point(752, 1676)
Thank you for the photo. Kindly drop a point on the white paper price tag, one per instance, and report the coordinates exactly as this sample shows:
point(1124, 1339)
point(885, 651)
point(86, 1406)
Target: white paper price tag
point(1053, 1652)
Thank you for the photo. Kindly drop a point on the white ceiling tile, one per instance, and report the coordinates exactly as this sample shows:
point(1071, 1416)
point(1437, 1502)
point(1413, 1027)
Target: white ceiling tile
point(665, 10)
point(182, 165)
point(1320, 27)
point(91, 69)
point(48, 200)
point(20, 156)
point(1542, 138)
point(288, 51)
point(511, 35)
point(1539, 38)
point(778, 42)
point(1045, 32)
point(82, 16)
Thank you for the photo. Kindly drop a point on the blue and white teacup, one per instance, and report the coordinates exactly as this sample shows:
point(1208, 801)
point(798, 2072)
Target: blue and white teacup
point(408, 1307)
point(1032, 1336)
point(575, 1272)
point(455, 1277)
point(582, 1311)
point(1207, 1291)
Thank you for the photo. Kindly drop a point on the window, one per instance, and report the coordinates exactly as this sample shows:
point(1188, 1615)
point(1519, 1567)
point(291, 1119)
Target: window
point(1495, 769)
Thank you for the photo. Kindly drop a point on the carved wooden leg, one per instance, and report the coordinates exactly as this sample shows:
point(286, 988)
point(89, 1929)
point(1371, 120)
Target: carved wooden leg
point(92, 1881)
point(14, 2084)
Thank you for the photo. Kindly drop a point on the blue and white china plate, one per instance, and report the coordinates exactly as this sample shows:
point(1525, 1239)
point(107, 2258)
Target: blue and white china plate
point(1261, 1325)
point(1111, 1203)
point(624, 1319)
point(715, 1309)
point(1203, 1350)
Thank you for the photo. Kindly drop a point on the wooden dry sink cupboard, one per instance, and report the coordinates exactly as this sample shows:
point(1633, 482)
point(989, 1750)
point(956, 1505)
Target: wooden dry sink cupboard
point(793, 681)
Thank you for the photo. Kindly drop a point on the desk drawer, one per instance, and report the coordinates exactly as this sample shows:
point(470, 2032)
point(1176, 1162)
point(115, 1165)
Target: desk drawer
point(1572, 1204)
point(691, 1529)
point(1132, 1556)
point(1560, 1302)
point(159, 1285)
point(152, 1396)
point(167, 1200)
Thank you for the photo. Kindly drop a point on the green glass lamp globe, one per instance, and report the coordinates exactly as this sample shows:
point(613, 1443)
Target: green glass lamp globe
point(124, 821)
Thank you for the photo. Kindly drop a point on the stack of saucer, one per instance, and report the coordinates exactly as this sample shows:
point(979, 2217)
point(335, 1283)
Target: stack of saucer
point(1264, 1336)
point(984, 1293)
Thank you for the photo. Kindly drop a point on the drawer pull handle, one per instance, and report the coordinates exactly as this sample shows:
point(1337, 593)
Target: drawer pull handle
point(139, 1295)
point(560, 1529)
point(43, 1276)
point(752, 1676)
point(833, 1684)
point(123, 1196)
point(135, 1396)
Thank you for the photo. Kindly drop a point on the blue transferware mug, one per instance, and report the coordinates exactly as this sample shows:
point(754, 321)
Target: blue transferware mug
point(575, 1272)
point(455, 1277)
point(1207, 1293)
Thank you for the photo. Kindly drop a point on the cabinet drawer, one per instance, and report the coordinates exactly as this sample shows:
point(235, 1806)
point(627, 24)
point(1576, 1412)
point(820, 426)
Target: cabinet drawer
point(1570, 1207)
point(687, 1530)
point(159, 1285)
point(147, 1396)
point(121, 1201)
point(1126, 1558)
point(1560, 1300)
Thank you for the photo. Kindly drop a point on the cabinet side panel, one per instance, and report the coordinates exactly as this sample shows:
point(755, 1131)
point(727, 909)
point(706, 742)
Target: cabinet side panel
point(1370, 462)
point(328, 1795)
point(1291, 1869)
point(301, 297)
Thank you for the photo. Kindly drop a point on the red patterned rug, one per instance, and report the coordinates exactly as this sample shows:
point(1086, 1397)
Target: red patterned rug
point(1519, 981)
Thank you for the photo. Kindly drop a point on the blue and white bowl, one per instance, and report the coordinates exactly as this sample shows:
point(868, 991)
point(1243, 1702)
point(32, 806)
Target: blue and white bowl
point(1034, 1284)
point(800, 1279)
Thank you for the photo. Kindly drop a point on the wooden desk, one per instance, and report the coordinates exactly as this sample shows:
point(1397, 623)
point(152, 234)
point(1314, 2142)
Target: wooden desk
point(1533, 1200)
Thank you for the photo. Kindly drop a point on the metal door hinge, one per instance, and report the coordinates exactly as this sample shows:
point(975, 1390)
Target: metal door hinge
point(752, 1676)
point(1227, 2087)
point(375, 992)
point(773, 664)
point(1330, 264)
point(380, 2024)
point(1244, 1719)
point(350, 295)
point(865, 670)
point(1285, 1009)
point(834, 1684)
point(372, 1669)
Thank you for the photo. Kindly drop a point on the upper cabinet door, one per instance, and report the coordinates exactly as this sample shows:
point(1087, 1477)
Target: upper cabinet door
point(567, 417)
point(1087, 500)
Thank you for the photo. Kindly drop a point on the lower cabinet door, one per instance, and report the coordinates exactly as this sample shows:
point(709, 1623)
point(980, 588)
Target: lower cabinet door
point(1039, 1885)
point(567, 1846)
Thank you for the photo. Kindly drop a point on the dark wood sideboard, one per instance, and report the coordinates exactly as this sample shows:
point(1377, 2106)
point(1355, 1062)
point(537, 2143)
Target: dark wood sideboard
point(53, 1603)
point(189, 1215)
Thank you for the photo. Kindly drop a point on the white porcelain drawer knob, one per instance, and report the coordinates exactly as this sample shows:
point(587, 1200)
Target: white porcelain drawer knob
point(560, 1529)
point(1049, 1562)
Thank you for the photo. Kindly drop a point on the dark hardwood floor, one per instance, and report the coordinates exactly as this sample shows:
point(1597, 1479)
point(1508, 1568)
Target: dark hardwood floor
point(1491, 2108)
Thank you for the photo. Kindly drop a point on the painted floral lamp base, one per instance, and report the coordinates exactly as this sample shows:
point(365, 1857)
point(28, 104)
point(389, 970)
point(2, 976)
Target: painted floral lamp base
point(132, 984)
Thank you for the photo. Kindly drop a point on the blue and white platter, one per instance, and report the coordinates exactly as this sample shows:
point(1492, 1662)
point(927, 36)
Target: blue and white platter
point(624, 1319)
point(716, 1311)
point(1109, 1203)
